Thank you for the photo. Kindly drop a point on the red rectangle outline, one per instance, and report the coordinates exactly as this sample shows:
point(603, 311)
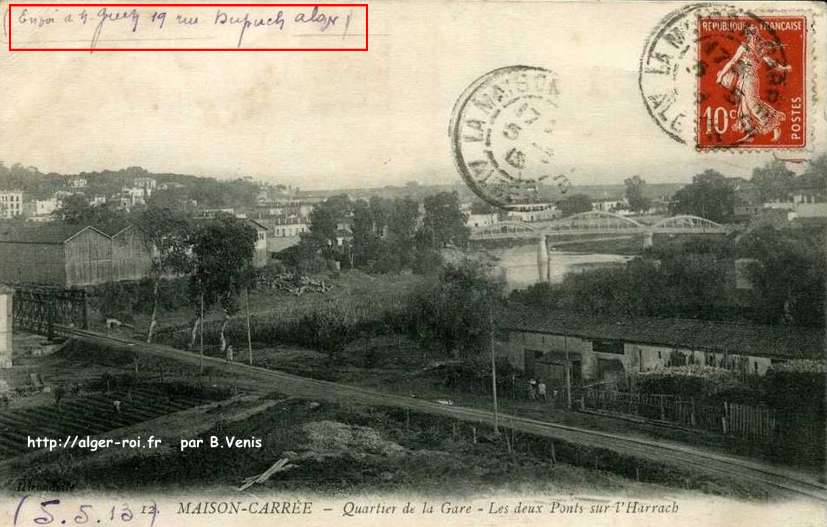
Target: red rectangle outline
point(804, 101)
point(187, 5)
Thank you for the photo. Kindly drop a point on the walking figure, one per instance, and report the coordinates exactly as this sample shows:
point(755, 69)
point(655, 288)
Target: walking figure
point(532, 390)
point(541, 391)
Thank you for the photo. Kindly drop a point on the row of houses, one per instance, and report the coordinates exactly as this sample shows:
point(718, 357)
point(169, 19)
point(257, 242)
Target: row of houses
point(543, 342)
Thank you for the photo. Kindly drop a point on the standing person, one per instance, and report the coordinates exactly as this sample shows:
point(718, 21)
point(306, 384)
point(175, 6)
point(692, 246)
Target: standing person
point(229, 353)
point(532, 389)
point(541, 391)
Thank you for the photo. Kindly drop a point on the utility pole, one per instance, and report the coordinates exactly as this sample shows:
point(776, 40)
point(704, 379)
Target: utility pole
point(249, 339)
point(568, 369)
point(493, 360)
point(202, 333)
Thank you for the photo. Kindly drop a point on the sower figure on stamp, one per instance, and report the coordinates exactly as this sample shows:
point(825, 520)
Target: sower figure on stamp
point(755, 116)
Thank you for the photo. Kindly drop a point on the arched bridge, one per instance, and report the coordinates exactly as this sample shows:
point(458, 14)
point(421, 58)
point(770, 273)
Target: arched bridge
point(597, 223)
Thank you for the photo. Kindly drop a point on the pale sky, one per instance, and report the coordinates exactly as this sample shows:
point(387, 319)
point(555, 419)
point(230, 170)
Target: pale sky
point(349, 119)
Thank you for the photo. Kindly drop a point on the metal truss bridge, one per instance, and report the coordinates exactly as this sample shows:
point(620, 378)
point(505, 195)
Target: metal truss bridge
point(42, 309)
point(597, 223)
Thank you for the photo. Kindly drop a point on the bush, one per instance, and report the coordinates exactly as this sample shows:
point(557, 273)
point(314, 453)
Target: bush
point(688, 382)
point(123, 300)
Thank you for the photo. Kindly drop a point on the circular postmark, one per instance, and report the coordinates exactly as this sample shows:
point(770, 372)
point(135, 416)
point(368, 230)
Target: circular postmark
point(501, 134)
point(716, 76)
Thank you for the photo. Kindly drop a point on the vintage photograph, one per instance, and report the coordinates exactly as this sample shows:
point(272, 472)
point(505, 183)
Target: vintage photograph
point(470, 262)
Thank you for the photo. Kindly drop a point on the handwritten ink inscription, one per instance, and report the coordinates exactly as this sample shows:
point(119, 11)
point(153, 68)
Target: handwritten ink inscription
point(187, 27)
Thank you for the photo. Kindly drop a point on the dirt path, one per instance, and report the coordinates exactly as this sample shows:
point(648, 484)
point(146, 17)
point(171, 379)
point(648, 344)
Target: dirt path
point(783, 479)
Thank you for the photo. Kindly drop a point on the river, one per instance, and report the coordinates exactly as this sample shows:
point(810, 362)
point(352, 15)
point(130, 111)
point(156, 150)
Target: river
point(519, 264)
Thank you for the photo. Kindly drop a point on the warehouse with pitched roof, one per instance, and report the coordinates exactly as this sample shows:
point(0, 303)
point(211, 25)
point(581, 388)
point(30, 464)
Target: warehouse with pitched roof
point(55, 254)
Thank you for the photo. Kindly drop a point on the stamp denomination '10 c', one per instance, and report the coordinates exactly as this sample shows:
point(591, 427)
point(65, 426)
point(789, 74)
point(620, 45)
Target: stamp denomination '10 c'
point(718, 77)
point(751, 82)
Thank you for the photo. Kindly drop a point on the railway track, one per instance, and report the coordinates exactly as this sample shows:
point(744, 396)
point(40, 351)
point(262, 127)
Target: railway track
point(785, 480)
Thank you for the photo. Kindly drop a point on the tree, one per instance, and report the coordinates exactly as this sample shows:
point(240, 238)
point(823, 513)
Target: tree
point(166, 236)
point(635, 197)
point(788, 276)
point(444, 221)
point(396, 249)
point(380, 210)
point(325, 217)
point(709, 196)
point(453, 309)
point(774, 180)
point(223, 252)
point(481, 207)
point(366, 241)
point(574, 204)
point(815, 175)
point(76, 210)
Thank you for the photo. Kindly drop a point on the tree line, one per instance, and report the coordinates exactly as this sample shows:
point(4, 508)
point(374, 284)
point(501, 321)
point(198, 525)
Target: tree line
point(382, 235)
point(713, 196)
point(695, 279)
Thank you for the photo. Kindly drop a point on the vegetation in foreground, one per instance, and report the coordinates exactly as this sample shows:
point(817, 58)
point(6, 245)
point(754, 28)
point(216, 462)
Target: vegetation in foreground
point(348, 450)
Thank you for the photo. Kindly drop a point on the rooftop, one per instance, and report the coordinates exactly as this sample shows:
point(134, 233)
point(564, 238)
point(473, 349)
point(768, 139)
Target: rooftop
point(50, 233)
point(744, 339)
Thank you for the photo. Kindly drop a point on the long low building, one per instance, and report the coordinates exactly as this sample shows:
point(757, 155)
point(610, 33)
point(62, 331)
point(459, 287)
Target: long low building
point(542, 342)
point(70, 255)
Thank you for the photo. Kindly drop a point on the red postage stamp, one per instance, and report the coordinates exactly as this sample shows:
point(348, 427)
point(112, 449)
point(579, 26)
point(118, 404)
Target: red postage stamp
point(751, 82)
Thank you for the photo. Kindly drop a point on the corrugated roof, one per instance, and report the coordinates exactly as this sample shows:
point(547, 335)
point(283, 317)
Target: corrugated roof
point(743, 339)
point(53, 233)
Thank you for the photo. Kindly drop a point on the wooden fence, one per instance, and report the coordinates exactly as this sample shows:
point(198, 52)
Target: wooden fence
point(749, 422)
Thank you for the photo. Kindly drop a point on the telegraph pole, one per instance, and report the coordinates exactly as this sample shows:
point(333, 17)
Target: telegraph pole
point(249, 338)
point(568, 369)
point(493, 360)
point(202, 333)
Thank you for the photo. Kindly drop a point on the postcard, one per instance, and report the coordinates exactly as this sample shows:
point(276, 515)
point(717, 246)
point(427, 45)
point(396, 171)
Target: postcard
point(412, 262)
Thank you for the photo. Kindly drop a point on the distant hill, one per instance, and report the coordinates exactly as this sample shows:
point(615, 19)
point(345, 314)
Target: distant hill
point(208, 192)
point(214, 193)
point(550, 193)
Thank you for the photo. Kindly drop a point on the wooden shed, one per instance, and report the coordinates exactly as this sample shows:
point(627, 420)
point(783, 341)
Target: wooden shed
point(131, 259)
point(55, 254)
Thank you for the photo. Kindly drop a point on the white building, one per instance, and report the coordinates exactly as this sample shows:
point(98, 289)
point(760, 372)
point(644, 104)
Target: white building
point(78, 182)
point(481, 220)
point(610, 205)
point(44, 207)
point(136, 195)
point(11, 203)
point(289, 227)
point(535, 212)
point(811, 210)
point(146, 183)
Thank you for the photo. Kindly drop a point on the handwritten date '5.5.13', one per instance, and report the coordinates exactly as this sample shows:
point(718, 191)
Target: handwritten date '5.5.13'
point(32, 511)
